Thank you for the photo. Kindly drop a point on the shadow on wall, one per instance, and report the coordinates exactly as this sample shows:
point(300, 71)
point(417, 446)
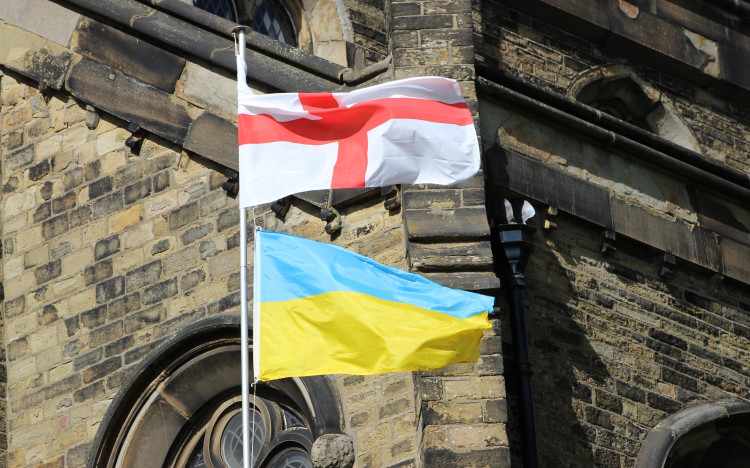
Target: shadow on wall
point(566, 367)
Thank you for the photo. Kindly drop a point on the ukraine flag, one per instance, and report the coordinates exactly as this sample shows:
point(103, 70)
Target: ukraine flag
point(321, 309)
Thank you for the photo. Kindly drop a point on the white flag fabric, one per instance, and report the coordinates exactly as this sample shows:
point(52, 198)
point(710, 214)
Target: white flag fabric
point(412, 131)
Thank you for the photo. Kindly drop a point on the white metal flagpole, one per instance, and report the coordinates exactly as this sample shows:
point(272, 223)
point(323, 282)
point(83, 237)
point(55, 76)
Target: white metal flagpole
point(244, 352)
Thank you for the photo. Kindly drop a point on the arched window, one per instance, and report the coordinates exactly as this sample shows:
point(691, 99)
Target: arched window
point(182, 409)
point(715, 434)
point(621, 93)
point(269, 17)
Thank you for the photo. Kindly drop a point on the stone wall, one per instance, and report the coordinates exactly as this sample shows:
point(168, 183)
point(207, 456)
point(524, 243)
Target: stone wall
point(109, 250)
point(621, 334)
point(553, 57)
point(617, 347)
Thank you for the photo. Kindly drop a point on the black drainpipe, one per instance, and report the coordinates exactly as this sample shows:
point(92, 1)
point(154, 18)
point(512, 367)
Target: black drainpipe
point(512, 244)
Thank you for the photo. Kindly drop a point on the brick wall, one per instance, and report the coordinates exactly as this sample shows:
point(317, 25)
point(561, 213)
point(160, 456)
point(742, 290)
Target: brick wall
point(107, 251)
point(616, 347)
point(554, 58)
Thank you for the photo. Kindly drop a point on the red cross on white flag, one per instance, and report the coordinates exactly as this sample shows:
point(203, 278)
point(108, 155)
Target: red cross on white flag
point(412, 131)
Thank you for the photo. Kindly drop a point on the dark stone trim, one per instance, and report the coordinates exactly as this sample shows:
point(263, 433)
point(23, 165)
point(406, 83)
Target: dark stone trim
point(128, 54)
point(129, 99)
point(507, 169)
point(213, 48)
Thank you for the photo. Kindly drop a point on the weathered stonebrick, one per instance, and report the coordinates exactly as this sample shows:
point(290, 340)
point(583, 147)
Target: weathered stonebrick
point(106, 334)
point(90, 392)
point(145, 318)
point(72, 325)
point(195, 233)
point(73, 178)
point(18, 348)
point(48, 271)
point(183, 215)
point(224, 304)
point(192, 279)
point(107, 204)
point(55, 226)
point(39, 170)
point(80, 216)
point(123, 305)
point(136, 191)
point(161, 181)
point(95, 317)
point(42, 212)
point(92, 170)
point(136, 354)
point(104, 368)
point(159, 291)
point(228, 218)
point(46, 190)
point(110, 289)
point(64, 203)
point(87, 359)
point(97, 272)
point(106, 247)
point(142, 276)
point(10, 185)
point(161, 246)
point(118, 347)
point(19, 158)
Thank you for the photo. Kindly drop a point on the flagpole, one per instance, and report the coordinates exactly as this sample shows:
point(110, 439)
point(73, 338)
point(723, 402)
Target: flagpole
point(244, 353)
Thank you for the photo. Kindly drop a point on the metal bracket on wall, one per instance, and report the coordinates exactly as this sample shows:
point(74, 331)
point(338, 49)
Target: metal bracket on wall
point(548, 224)
point(281, 206)
point(714, 281)
point(608, 242)
point(393, 196)
point(135, 139)
point(668, 264)
point(332, 217)
point(92, 117)
point(232, 184)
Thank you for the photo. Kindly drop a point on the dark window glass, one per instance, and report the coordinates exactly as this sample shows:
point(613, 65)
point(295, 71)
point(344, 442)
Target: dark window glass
point(223, 8)
point(269, 17)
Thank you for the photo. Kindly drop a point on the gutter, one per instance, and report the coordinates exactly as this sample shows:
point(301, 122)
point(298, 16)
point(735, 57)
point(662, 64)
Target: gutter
point(209, 42)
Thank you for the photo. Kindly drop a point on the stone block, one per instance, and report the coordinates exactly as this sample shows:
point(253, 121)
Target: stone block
point(39, 170)
point(129, 99)
point(472, 388)
point(19, 158)
point(41, 17)
point(100, 187)
point(136, 191)
point(449, 223)
point(106, 247)
point(183, 215)
point(133, 56)
point(142, 276)
point(64, 203)
point(48, 271)
point(102, 369)
point(145, 318)
point(37, 58)
point(120, 221)
point(107, 205)
point(159, 291)
point(219, 97)
point(110, 289)
point(97, 272)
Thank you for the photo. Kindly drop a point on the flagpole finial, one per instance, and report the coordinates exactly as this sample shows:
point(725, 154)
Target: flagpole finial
point(236, 31)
